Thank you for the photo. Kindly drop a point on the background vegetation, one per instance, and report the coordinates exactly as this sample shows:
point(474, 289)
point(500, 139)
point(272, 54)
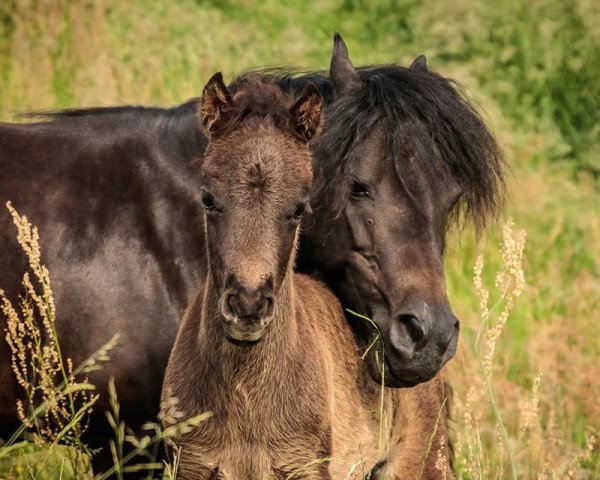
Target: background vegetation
point(532, 69)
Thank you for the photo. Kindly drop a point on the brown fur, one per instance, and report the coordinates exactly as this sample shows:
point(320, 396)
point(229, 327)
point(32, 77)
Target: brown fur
point(300, 400)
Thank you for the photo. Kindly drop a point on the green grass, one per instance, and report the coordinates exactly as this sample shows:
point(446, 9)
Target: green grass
point(532, 68)
point(27, 460)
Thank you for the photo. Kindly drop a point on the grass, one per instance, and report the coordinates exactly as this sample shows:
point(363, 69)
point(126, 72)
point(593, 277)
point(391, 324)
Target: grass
point(532, 68)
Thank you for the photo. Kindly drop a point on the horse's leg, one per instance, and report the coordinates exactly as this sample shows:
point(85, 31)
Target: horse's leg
point(419, 438)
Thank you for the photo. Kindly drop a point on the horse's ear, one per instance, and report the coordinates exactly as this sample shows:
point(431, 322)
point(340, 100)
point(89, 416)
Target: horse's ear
point(306, 113)
point(215, 100)
point(419, 64)
point(344, 76)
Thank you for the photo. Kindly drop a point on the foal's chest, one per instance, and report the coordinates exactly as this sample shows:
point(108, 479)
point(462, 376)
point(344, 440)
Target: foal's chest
point(249, 438)
point(241, 453)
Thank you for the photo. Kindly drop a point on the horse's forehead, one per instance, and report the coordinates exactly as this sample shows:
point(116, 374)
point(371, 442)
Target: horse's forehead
point(402, 156)
point(373, 154)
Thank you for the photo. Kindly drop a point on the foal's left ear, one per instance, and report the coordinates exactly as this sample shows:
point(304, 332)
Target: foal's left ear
point(215, 100)
point(306, 113)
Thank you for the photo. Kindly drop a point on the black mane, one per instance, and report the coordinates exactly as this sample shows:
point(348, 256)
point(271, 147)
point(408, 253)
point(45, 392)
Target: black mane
point(409, 100)
point(122, 111)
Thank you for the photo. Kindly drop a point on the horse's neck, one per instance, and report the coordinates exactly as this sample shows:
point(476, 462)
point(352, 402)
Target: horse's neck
point(170, 172)
point(178, 134)
point(266, 361)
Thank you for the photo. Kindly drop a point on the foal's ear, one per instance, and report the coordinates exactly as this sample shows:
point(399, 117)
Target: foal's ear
point(306, 113)
point(420, 64)
point(215, 100)
point(344, 76)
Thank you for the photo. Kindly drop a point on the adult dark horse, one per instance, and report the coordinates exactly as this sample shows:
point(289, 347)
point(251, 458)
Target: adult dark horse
point(114, 195)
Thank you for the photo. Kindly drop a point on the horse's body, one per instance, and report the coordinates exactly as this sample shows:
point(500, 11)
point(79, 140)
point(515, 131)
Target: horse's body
point(115, 208)
point(258, 345)
point(114, 196)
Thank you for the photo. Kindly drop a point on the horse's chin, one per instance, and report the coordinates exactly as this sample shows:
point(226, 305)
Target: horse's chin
point(383, 374)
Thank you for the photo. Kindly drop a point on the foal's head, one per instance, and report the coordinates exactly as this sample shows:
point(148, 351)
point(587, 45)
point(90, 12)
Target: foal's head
point(256, 178)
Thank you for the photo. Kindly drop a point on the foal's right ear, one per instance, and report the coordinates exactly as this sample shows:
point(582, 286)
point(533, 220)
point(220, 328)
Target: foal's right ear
point(306, 113)
point(215, 101)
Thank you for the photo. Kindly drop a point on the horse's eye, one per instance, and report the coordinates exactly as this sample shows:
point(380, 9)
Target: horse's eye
point(208, 201)
point(301, 209)
point(359, 190)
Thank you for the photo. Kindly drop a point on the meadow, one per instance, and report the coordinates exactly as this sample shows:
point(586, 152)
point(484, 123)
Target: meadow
point(526, 383)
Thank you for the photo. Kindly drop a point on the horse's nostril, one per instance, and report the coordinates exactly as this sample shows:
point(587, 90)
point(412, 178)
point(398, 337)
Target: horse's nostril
point(413, 326)
point(406, 334)
point(451, 335)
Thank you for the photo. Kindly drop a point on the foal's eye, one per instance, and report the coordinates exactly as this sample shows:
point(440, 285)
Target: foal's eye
point(359, 190)
point(208, 201)
point(301, 209)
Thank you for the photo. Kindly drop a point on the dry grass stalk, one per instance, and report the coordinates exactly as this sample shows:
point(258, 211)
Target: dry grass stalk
point(46, 377)
point(509, 283)
point(57, 396)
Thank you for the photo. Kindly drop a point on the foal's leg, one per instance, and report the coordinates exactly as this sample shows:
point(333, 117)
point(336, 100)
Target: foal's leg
point(202, 473)
point(320, 472)
point(420, 443)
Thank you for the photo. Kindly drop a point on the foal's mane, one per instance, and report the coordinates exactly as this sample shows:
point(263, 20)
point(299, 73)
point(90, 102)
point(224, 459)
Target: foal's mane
point(257, 97)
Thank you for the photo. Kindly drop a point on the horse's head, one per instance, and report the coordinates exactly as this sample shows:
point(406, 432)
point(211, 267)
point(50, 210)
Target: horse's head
point(256, 177)
point(400, 152)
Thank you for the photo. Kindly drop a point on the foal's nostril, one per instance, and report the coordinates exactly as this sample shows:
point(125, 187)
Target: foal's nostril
point(228, 304)
point(268, 307)
point(248, 305)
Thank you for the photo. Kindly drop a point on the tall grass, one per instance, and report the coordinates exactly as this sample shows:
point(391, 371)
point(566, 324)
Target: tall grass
point(539, 60)
point(57, 395)
point(505, 430)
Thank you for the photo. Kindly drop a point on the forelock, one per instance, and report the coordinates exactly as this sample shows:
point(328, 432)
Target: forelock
point(403, 99)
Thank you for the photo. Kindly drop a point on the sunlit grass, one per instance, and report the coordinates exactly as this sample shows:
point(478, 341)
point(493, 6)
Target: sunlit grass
point(517, 426)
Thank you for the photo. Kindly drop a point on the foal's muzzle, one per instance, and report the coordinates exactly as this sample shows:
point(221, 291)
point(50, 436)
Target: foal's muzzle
point(246, 312)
